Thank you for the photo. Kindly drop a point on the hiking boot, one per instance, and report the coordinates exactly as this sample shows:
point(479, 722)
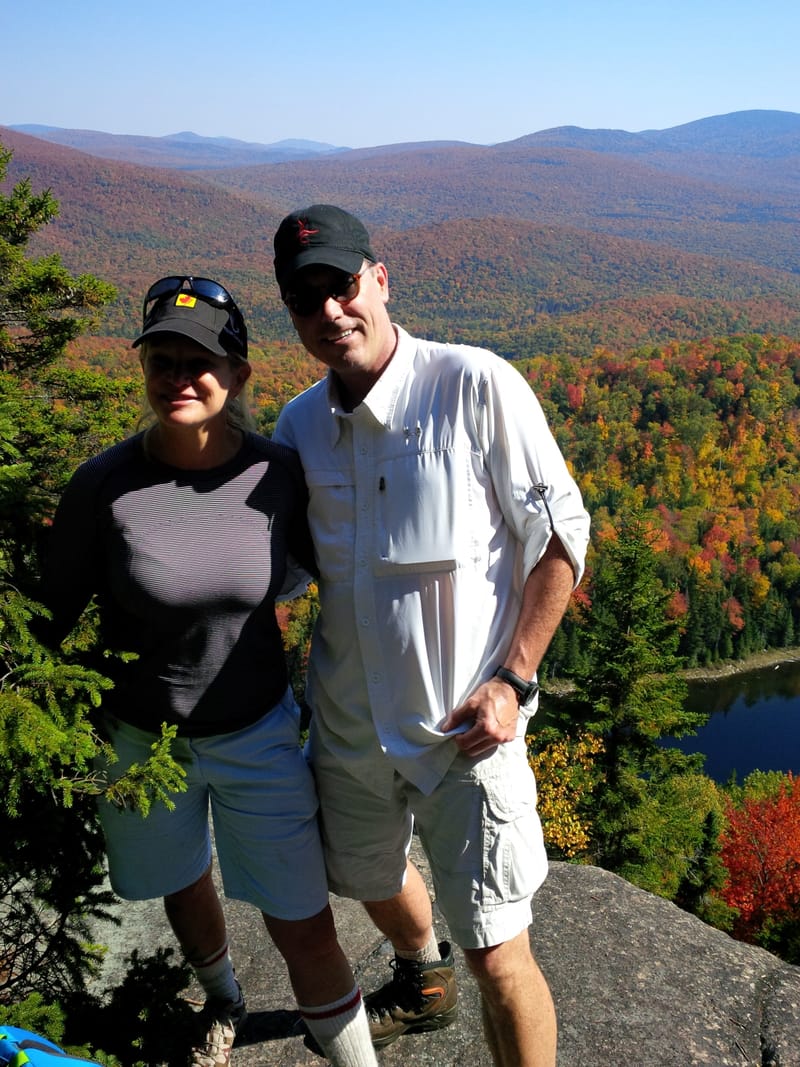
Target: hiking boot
point(420, 997)
point(217, 1026)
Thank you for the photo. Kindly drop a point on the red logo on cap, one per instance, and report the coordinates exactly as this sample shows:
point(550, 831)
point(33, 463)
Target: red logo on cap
point(303, 232)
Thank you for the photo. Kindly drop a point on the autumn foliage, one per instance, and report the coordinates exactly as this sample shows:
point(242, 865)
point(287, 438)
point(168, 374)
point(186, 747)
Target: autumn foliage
point(566, 774)
point(761, 850)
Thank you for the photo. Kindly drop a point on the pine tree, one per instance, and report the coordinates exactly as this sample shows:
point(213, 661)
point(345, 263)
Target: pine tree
point(631, 694)
point(42, 306)
point(51, 872)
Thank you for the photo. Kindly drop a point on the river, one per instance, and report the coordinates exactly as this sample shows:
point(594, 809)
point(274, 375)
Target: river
point(754, 722)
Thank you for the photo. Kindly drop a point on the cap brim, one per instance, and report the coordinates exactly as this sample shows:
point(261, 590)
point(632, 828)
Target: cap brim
point(195, 331)
point(341, 258)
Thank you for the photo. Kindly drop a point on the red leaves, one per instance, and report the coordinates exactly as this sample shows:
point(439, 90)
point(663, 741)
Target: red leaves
point(761, 850)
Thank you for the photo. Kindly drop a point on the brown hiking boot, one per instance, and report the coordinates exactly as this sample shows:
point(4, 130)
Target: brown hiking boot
point(420, 997)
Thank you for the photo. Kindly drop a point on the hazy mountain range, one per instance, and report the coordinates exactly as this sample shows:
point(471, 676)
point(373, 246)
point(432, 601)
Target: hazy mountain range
point(183, 151)
point(565, 237)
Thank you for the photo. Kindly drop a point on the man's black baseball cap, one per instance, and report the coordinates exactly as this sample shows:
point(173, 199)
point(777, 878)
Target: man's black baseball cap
point(320, 234)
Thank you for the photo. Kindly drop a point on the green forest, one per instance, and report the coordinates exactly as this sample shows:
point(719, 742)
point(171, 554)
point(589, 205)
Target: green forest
point(688, 455)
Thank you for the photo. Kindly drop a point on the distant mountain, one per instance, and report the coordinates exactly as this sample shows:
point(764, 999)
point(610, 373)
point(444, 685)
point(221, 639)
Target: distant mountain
point(742, 133)
point(745, 207)
point(525, 246)
point(182, 151)
point(756, 145)
point(746, 149)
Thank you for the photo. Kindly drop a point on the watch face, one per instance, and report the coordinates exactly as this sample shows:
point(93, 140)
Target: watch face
point(533, 689)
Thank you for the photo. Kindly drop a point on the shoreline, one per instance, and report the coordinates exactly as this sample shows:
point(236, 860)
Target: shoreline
point(771, 657)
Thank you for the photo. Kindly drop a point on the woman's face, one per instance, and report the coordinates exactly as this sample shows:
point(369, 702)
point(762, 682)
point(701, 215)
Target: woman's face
point(188, 386)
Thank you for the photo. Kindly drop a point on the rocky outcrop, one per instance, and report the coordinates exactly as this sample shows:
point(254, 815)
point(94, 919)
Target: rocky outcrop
point(636, 982)
point(639, 982)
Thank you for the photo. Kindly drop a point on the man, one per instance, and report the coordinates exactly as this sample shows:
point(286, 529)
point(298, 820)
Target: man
point(449, 536)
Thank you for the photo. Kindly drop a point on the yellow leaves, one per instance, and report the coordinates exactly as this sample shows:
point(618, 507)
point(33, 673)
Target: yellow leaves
point(565, 774)
point(759, 589)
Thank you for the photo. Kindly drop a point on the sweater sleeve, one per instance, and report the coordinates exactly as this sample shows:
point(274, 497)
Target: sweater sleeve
point(301, 547)
point(71, 558)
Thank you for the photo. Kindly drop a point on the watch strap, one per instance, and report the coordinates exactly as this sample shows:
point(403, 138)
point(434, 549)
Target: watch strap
point(525, 690)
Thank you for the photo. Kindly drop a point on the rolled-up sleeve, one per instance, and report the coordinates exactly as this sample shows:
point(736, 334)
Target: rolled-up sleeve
point(535, 490)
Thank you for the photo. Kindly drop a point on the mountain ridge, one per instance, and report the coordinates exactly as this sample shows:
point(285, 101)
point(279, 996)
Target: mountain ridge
point(181, 151)
point(513, 246)
point(736, 132)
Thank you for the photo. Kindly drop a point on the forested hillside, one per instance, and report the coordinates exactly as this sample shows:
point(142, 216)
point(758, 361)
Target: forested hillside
point(529, 288)
point(706, 437)
point(559, 241)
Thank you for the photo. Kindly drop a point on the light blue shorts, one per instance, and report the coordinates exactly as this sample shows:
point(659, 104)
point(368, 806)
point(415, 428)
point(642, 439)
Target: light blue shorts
point(261, 795)
point(479, 829)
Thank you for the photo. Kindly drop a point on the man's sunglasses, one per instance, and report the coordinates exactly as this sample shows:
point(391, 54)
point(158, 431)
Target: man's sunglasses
point(305, 300)
point(209, 291)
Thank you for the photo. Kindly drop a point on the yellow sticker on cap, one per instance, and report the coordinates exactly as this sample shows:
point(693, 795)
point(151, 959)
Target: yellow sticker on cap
point(185, 300)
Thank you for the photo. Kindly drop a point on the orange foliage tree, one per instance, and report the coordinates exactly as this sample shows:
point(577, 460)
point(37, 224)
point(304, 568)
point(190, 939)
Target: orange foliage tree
point(761, 851)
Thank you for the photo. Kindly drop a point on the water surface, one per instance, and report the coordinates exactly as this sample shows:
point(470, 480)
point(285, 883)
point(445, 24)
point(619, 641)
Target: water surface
point(754, 723)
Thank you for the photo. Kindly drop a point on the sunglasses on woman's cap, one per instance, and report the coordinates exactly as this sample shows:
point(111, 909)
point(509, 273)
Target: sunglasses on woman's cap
point(202, 310)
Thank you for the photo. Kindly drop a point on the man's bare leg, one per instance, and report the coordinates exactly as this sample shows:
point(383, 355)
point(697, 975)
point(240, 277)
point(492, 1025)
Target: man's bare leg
point(407, 918)
point(518, 1013)
point(422, 994)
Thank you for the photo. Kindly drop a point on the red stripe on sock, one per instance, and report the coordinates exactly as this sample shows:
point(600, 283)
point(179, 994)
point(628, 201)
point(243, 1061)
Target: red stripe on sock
point(342, 1009)
point(211, 960)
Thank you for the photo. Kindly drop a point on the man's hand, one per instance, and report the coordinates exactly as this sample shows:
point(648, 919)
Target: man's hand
point(493, 713)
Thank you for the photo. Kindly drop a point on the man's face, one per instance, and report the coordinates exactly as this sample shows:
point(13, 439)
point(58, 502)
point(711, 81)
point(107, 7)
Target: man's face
point(354, 337)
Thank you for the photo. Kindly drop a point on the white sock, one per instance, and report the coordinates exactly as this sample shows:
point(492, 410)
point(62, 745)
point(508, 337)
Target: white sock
point(342, 1030)
point(429, 954)
point(215, 975)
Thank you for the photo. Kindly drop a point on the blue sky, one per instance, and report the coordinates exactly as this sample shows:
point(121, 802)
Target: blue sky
point(360, 74)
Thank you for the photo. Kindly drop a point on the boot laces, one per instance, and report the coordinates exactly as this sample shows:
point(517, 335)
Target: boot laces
point(404, 991)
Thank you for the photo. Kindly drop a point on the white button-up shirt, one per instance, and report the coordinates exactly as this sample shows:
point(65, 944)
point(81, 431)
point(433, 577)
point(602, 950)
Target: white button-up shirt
point(429, 505)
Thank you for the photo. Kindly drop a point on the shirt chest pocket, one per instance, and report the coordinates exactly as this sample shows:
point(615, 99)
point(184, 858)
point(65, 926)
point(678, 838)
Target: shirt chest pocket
point(423, 508)
point(331, 517)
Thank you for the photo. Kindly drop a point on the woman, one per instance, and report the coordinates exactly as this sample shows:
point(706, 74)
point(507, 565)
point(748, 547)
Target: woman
point(181, 533)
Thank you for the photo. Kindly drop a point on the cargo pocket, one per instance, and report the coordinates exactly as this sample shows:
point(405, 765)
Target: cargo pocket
point(513, 847)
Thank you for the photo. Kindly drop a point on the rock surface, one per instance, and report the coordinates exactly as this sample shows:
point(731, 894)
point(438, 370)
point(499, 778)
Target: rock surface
point(636, 983)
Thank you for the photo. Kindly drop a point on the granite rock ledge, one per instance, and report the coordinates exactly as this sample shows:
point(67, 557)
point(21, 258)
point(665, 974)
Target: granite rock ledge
point(636, 981)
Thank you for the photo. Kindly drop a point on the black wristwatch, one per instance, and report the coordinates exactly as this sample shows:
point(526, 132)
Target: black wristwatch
point(525, 691)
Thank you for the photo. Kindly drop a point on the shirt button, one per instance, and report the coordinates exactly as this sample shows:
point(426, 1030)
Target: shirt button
point(365, 621)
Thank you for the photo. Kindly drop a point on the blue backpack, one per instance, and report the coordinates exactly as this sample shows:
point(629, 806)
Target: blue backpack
point(21, 1047)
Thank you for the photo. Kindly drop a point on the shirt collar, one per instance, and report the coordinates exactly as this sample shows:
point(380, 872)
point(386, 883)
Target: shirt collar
point(381, 400)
